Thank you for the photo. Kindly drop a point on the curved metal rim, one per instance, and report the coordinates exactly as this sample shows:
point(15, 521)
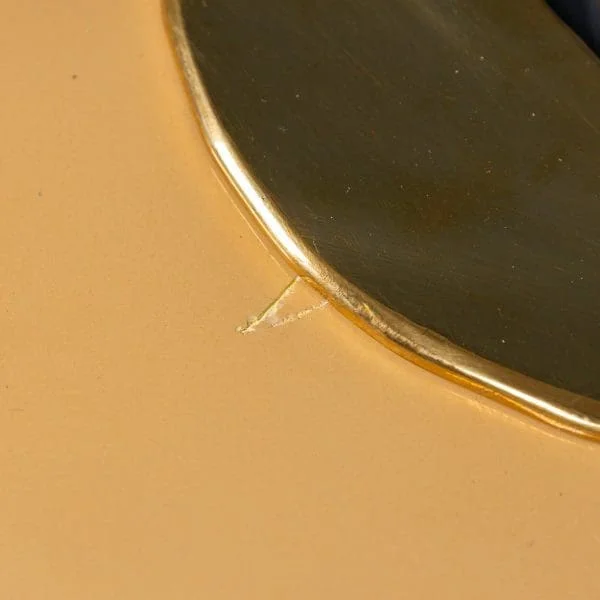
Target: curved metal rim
point(558, 407)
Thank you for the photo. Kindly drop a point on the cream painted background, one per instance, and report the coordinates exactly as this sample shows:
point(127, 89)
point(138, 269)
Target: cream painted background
point(147, 450)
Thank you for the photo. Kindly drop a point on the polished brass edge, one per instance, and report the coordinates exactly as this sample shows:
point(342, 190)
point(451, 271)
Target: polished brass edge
point(560, 408)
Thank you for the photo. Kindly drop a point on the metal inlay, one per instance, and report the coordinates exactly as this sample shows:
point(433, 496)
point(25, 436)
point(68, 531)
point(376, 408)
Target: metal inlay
point(431, 167)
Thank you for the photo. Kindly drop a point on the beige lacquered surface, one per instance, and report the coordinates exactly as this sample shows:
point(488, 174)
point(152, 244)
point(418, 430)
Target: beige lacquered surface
point(147, 450)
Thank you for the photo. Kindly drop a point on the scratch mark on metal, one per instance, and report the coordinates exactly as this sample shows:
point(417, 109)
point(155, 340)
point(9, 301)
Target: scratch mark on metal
point(271, 317)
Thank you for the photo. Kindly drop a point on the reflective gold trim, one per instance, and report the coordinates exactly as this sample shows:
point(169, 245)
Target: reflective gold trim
point(555, 406)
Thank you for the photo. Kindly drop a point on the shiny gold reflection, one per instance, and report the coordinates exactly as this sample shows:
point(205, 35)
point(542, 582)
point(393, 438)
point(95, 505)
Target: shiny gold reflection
point(559, 407)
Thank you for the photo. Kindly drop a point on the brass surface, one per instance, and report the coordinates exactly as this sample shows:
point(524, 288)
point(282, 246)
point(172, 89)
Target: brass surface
point(559, 407)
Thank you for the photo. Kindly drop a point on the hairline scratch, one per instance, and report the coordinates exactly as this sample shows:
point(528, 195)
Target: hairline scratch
point(269, 317)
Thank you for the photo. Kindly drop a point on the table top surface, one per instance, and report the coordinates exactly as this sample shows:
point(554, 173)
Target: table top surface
point(148, 450)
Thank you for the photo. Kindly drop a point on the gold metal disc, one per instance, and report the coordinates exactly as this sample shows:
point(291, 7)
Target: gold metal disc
point(431, 170)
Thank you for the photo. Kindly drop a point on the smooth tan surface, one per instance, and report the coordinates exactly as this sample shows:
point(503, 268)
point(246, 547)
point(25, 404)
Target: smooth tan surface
point(147, 450)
